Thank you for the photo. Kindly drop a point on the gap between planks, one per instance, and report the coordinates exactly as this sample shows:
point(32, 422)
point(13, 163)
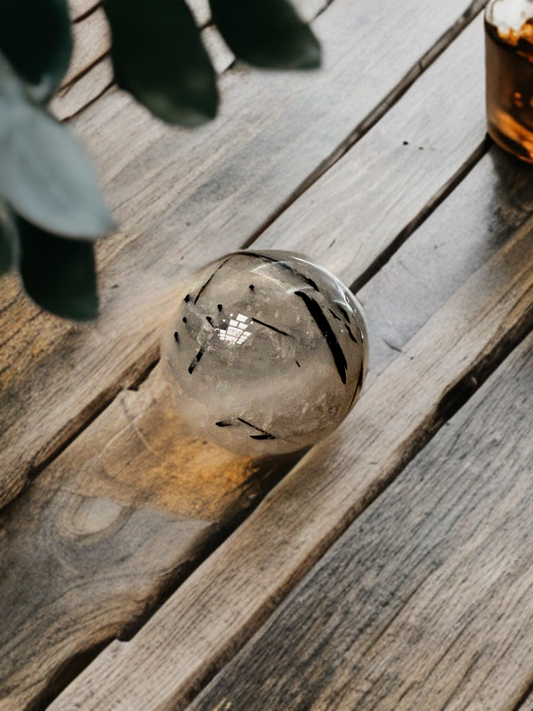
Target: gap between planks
point(80, 9)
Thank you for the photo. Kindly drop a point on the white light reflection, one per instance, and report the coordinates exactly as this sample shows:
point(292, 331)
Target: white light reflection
point(236, 332)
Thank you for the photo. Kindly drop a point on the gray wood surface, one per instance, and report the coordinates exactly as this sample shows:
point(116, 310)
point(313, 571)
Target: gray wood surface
point(426, 601)
point(134, 455)
point(431, 609)
point(178, 192)
point(217, 608)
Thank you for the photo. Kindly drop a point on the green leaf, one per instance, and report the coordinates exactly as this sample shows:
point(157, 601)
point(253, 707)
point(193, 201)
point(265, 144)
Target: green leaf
point(158, 56)
point(266, 33)
point(35, 36)
point(8, 241)
point(44, 174)
point(58, 274)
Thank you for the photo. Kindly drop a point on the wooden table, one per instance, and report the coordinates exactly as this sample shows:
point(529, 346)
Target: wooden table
point(391, 567)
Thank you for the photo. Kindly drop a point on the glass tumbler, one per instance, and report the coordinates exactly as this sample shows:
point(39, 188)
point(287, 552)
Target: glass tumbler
point(509, 75)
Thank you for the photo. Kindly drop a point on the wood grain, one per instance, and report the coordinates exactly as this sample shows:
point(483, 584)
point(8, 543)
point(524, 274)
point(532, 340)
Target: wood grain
point(227, 597)
point(70, 555)
point(179, 193)
point(426, 601)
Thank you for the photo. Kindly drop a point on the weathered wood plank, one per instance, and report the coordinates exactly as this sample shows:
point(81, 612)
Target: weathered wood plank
point(400, 152)
point(56, 376)
point(378, 192)
point(98, 537)
point(73, 553)
point(229, 595)
point(201, 11)
point(426, 601)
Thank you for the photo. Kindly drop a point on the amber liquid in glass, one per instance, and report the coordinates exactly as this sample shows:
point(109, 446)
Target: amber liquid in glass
point(509, 64)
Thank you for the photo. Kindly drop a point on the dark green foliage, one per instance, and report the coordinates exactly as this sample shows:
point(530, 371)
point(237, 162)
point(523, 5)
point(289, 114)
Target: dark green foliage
point(44, 175)
point(49, 200)
point(8, 242)
point(266, 33)
point(158, 56)
point(59, 274)
point(36, 38)
point(46, 179)
point(6, 253)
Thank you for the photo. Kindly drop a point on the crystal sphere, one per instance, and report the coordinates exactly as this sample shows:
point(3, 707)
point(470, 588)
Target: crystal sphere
point(266, 352)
